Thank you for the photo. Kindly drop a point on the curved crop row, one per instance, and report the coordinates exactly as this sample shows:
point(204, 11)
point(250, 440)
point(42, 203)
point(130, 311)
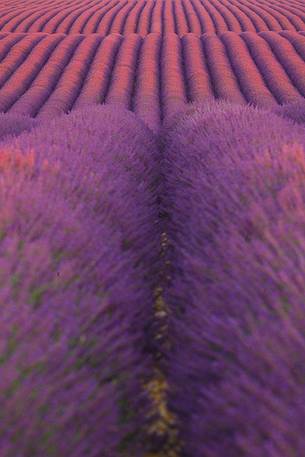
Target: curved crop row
point(250, 80)
point(181, 18)
point(70, 82)
point(157, 14)
point(124, 73)
point(224, 81)
point(91, 25)
point(83, 17)
point(218, 20)
point(146, 16)
point(46, 80)
point(270, 20)
point(198, 80)
point(173, 88)
point(96, 85)
point(147, 95)
point(234, 195)
point(231, 20)
point(16, 19)
point(8, 43)
point(130, 23)
point(16, 56)
point(55, 21)
point(104, 25)
point(73, 356)
point(274, 74)
point(67, 21)
point(45, 19)
point(207, 23)
point(298, 13)
point(23, 76)
point(253, 16)
point(192, 17)
point(153, 75)
point(117, 24)
point(291, 61)
point(245, 21)
point(292, 20)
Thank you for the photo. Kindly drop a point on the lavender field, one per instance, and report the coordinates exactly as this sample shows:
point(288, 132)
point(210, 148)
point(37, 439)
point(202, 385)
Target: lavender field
point(152, 228)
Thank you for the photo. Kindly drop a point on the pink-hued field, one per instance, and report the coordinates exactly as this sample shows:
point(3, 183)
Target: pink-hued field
point(152, 228)
point(46, 74)
point(150, 56)
point(149, 16)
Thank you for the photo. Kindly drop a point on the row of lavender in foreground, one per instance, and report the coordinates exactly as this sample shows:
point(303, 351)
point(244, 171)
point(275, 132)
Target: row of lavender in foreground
point(77, 249)
point(234, 195)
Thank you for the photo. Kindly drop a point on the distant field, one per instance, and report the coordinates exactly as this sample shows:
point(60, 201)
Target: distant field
point(45, 74)
point(146, 16)
point(149, 56)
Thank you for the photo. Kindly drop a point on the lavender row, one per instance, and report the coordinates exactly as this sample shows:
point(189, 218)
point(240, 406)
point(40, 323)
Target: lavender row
point(234, 198)
point(77, 254)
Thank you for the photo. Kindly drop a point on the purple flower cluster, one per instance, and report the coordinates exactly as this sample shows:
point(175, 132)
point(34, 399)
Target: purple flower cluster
point(78, 249)
point(234, 194)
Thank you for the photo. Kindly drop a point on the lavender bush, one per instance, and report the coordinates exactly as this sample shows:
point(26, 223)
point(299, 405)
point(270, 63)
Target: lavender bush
point(77, 253)
point(234, 196)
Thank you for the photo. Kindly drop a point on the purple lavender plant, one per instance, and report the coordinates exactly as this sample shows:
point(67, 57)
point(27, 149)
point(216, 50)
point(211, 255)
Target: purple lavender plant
point(234, 195)
point(77, 254)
